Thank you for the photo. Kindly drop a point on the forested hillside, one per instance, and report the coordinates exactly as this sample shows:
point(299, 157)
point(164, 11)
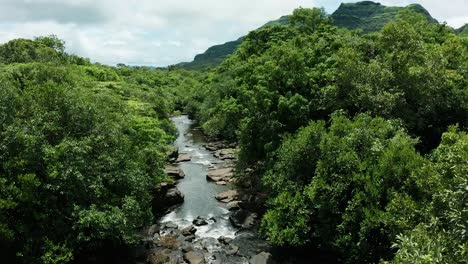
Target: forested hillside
point(350, 145)
point(82, 147)
point(366, 16)
point(463, 30)
point(369, 16)
point(358, 142)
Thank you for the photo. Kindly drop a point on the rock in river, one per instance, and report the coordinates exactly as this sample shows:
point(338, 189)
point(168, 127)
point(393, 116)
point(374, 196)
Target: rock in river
point(199, 221)
point(189, 230)
point(184, 157)
point(243, 218)
point(193, 258)
point(262, 258)
point(172, 153)
point(154, 229)
point(227, 196)
point(157, 258)
point(165, 197)
point(226, 154)
point(233, 206)
point(170, 225)
point(219, 174)
point(175, 172)
point(232, 250)
point(224, 240)
point(174, 197)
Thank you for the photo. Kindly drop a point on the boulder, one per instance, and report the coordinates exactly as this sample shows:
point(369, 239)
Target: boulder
point(226, 154)
point(165, 186)
point(147, 242)
point(174, 197)
point(169, 242)
point(249, 222)
point(175, 172)
point(172, 153)
point(213, 146)
point(261, 258)
point(154, 229)
point(210, 147)
point(170, 225)
point(199, 221)
point(233, 206)
point(243, 219)
point(220, 174)
point(232, 250)
point(193, 258)
point(158, 258)
point(227, 196)
point(189, 230)
point(165, 197)
point(216, 261)
point(209, 257)
point(187, 249)
point(156, 237)
point(224, 240)
point(214, 178)
point(184, 158)
point(221, 183)
point(190, 238)
point(208, 243)
point(226, 200)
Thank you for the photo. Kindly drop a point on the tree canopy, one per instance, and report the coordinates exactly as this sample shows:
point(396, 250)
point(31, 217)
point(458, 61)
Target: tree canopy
point(358, 141)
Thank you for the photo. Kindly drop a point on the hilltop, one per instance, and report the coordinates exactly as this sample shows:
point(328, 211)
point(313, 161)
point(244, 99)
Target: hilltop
point(367, 16)
point(463, 30)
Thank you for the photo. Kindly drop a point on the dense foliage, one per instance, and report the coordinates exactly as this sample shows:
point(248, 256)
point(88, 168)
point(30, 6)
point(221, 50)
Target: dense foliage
point(366, 16)
point(358, 141)
point(82, 147)
point(370, 16)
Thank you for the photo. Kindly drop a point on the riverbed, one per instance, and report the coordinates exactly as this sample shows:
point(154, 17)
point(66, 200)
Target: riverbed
point(199, 193)
point(221, 235)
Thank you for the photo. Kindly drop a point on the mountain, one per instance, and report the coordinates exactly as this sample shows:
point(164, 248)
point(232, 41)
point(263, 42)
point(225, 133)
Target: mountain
point(214, 55)
point(367, 16)
point(463, 30)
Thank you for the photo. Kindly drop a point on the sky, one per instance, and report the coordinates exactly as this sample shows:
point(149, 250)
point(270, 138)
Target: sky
point(165, 32)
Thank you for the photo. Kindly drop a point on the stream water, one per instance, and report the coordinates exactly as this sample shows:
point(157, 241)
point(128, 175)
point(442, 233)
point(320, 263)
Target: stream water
point(199, 194)
point(215, 242)
point(171, 244)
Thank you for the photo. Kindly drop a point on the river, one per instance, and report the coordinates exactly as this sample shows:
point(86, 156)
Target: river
point(176, 238)
point(199, 194)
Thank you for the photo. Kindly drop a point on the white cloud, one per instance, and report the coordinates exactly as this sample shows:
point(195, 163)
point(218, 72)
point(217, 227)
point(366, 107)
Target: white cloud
point(161, 32)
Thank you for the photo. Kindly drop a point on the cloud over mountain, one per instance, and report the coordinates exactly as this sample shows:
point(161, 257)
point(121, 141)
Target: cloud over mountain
point(159, 32)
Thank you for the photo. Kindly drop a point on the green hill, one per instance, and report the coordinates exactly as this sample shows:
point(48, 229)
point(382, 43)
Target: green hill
point(370, 16)
point(214, 55)
point(463, 30)
point(367, 15)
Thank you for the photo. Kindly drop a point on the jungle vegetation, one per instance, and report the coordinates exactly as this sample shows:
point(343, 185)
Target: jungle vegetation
point(358, 141)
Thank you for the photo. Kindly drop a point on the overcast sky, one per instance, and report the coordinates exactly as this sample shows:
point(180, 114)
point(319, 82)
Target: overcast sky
point(164, 32)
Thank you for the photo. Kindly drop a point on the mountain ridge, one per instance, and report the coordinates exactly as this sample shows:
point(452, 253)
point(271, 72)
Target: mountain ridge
point(368, 16)
point(463, 30)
